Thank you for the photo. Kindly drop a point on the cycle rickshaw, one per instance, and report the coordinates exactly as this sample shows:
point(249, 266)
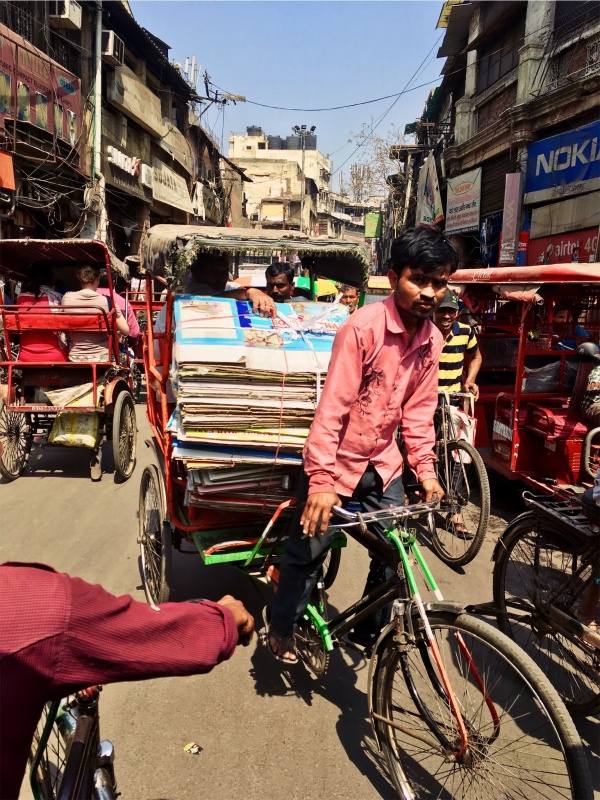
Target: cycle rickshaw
point(227, 526)
point(455, 718)
point(530, 426)
point(70, 403)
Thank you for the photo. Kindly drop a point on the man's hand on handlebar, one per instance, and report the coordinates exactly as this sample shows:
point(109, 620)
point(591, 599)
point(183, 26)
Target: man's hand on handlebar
point(430, 486)
point(243, 620)
point(318, 507)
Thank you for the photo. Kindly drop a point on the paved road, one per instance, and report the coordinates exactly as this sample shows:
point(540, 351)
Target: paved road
point(264, 734)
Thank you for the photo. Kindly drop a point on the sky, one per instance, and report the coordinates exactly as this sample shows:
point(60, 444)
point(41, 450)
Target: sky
point(306, 55)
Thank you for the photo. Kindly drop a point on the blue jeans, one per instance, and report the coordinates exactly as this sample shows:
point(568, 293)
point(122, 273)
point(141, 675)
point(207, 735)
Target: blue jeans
point(304, 555)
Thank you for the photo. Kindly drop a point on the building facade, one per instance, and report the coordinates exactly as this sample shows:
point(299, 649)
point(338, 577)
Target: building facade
point(509, 138)
point(274, 164)
point(154, 157)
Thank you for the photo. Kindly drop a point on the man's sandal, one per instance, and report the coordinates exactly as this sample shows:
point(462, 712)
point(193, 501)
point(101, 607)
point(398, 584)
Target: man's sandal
point(288, 642)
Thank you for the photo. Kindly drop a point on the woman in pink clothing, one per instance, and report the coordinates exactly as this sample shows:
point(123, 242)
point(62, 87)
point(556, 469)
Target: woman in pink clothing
point(41, 346)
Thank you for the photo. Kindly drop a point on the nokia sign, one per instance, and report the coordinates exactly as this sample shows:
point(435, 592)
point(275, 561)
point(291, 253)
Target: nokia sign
point(564, 165)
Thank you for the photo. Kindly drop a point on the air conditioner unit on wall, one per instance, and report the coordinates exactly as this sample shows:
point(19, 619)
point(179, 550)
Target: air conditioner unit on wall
point(113, 48)
point(64, 14)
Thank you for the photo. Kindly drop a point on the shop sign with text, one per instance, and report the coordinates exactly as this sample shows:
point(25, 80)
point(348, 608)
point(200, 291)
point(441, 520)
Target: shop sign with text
point(511, 219)
point(463, 202)
point(124, 171)
point(35, 89)
point(566, 248)
point(170, 188)
point(563, 165)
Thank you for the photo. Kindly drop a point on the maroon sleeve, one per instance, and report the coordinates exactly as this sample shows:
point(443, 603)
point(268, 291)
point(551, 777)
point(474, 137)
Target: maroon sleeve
point(110, 639)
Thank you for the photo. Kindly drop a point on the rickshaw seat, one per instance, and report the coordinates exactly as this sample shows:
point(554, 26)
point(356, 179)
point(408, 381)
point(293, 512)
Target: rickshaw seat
point(555, 423)
point(561, 423)
point(16, 321)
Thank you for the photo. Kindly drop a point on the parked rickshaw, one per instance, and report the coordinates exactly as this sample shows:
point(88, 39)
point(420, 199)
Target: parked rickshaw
point(530, 426)
point(247, 535)
point(74, 403)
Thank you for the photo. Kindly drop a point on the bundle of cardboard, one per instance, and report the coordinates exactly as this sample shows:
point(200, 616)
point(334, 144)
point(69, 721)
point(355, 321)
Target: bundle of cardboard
point(247, 389)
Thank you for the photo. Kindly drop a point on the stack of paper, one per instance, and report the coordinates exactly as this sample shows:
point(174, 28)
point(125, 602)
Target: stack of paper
point(247, 388)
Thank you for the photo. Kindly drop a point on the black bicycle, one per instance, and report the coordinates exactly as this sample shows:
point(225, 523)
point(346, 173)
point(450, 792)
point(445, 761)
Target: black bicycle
point(459, 710)
point(546, 563)
point(462, 518)
point(68, 761)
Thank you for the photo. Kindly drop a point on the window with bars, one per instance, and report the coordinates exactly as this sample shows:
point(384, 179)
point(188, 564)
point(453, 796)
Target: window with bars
point(65, 48)
point(570, 15)
point(499, 57)
point(592, 59)
point(16, 16)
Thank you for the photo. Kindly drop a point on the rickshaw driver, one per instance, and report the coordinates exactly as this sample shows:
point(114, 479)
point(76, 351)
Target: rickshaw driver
point(208, 277)
point(383, 374)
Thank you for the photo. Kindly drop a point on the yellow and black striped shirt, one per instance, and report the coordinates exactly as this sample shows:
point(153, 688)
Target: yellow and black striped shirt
point(460, 340)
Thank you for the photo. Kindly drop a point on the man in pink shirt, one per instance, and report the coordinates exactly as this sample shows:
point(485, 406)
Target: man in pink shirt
point(383, 375)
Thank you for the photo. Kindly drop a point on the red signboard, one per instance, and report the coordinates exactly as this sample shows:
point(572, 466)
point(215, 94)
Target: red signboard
point(37, 90)
point(564, 248)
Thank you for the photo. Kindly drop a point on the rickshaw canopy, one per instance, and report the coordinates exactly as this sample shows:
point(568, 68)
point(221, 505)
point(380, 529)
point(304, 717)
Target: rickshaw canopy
point(16, 255)
point(168, 250)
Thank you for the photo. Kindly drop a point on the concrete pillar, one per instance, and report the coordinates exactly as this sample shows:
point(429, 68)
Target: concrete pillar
point(464, 126)
point(464, 121)
point(533, 55)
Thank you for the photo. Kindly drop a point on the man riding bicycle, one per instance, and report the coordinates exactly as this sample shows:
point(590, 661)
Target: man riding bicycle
point(383, 374)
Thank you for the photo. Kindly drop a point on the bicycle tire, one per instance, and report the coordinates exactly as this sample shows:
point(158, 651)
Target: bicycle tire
point(534, 751)
point(331, 566)
point(453, 547)
point(529, 563)
point(156, 547)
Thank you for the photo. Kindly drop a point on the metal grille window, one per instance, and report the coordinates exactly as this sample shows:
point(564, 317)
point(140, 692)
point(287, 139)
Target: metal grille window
point(16, 17)
point(570, 15)
point(65, 48)
point(500, 56)
point(592, 60)
point(553, 74)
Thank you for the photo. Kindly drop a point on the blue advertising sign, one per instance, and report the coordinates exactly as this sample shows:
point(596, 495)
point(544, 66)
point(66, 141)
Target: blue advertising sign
point(563, 165)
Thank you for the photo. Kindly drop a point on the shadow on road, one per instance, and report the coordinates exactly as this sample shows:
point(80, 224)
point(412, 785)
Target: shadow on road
point(338, 687)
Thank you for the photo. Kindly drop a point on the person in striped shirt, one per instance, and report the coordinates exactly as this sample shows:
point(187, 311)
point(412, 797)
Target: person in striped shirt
point(460, 349)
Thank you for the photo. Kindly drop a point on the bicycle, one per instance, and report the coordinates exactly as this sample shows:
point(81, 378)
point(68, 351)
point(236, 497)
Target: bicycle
point(462, 520)
point(544, 562)
point(68, 761)
point(459, 710)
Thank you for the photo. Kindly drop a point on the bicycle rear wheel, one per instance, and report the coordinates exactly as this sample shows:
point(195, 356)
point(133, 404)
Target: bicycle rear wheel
point(462, 521)
point(522, 742)
point(532, 563)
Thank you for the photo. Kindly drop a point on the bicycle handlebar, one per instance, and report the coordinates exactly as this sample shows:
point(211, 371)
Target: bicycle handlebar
point(398, 512)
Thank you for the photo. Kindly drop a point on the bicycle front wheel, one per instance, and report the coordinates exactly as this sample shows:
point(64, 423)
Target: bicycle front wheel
point(534, 563)
point(521, 740)
point(462, 520)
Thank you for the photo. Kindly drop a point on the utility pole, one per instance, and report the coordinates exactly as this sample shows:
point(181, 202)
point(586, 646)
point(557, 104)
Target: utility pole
point(302, 132)
point(97, 173)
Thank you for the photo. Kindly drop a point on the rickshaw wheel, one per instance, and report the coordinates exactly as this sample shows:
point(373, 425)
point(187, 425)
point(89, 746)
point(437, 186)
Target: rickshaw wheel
point(15, 442)
point(154, 538)
point(124, 435)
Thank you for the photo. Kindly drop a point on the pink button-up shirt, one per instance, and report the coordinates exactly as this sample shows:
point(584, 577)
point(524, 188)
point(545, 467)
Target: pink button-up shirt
point(376, 382)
